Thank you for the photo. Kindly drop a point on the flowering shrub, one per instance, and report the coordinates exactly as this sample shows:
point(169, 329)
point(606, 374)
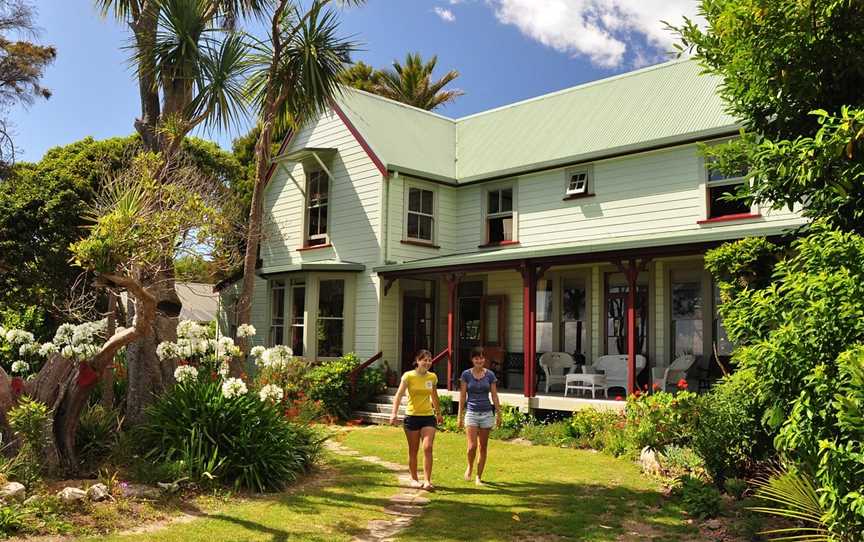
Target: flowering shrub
point(74, 342)
point(271, 393)
point(330, 384)
point(233, 387)
point(185, 373)
point(660, 419)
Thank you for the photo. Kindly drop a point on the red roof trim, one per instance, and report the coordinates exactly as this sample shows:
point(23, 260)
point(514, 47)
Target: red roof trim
point(351, 128)
point(285, 142)
point(729, 218)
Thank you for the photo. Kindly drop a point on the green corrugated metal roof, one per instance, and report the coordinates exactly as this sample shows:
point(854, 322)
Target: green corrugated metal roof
point(582, 248)
point(321, 265)
point(661, 104)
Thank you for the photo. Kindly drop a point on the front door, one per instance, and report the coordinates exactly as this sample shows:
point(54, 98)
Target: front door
point(417, 328)
point(616, 319)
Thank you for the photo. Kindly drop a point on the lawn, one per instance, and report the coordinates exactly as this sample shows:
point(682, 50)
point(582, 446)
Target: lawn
point(332, 505)
point(533, 493)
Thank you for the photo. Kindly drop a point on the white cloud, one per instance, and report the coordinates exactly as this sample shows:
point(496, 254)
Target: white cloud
point(598, 29)
point(445, 14)
point(454, 2)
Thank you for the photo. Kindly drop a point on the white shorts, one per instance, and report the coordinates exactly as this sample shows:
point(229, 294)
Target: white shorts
point(482, 420)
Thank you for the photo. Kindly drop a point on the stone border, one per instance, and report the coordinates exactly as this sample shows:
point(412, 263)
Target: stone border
point(402, 508)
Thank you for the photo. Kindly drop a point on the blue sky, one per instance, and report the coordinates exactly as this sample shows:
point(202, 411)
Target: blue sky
point(505, 50)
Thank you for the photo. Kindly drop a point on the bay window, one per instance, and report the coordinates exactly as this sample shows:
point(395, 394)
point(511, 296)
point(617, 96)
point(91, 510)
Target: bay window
point(298, 315)
point(277, 313)
point(331, 318)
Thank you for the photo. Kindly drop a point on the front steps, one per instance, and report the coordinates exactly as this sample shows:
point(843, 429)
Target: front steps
point(379, 409)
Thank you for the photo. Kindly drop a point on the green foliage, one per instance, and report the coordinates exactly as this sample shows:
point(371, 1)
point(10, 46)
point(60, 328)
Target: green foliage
point(745, 263)
point(98, 433)
point(31, 422)
point(330, 384)
point(659, 419)
point(699, 499)
point(194, 268)
point(31, 318)
point(792, 495)
point(785, 76)
point(548, 434)
point(589, 426)
point(728, 433)
point(13, 518)
point(512, 422)
point(446, 403)
point(240, 441)
point(409, 82)
point(735, 487)
point(678, 461)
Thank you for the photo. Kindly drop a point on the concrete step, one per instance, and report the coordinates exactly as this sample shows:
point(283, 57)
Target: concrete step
point(378, 418)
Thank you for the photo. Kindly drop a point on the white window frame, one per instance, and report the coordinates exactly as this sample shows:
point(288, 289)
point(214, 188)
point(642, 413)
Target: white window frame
point(313, 290)
point(707, 184)
point(270, 308)
point(307, 209)
point(588, 171)
point(290, 325)
point(514, 235)
point(408, 211)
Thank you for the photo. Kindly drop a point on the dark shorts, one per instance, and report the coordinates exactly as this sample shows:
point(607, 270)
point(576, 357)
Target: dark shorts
point(416, 423)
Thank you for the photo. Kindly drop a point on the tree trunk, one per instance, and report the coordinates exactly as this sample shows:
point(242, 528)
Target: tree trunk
point(108, 373)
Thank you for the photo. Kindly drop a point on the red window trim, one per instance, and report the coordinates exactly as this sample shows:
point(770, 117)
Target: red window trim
point(419, 243)
point(729, 218)
point(314, 247)
point(498, 244)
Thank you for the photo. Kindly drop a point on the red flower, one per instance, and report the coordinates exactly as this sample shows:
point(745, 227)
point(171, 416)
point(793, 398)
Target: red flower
point(619, 398)
point(86, 375)
point(645, 387)
point(17, 385)
point(682, 384)
point(637, 393)
point(657, 387)
point(182, 362)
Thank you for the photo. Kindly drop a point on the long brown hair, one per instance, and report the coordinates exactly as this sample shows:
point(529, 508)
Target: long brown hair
point(422, 353)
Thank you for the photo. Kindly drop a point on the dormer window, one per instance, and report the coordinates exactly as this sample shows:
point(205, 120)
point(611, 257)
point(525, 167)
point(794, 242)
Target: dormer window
point(317, 198)
point(577, 182)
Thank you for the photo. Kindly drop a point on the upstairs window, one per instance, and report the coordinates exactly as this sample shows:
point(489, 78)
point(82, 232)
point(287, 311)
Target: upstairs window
point(317, 201)
point(421, 216)
point(499, 216)
point(720, 187)
point(578, 182)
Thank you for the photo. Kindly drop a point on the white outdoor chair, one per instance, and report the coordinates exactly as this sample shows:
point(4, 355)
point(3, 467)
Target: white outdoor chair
point(668, 377)
point(556, 365)
point(614, 366)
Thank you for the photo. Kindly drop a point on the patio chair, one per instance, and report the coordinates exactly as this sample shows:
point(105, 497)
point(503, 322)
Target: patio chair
point(556, 365)
point(614, 366)
point(665, 378)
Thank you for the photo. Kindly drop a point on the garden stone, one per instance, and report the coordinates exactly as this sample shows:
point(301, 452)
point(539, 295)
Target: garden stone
point(98, 493)
point(140, 491)
point(13, 491)
point(649, 462)
point(71, 494)
point(169, 487)
point(30, 500)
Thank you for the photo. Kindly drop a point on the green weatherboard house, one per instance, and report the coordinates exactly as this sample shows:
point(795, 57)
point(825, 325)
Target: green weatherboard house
point(574, 223)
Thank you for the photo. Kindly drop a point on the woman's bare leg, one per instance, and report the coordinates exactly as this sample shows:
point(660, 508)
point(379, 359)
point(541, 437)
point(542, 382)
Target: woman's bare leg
point(413, 447)
point(483, 444)
point(428, 437)
point(471, 435)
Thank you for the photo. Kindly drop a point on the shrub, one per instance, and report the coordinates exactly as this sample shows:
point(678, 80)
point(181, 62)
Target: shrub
point(13, 518)
point(729, 434)
point(678, 461)
point(512, 421)
point(98, 432)
point(699, 499)
point(548, 434)
point(330, 384)
point(586, 425)
point(446, 403)
point(239, 440)
point(451, 424)
point(735, 487)
point(31, 422)
point(660, 419)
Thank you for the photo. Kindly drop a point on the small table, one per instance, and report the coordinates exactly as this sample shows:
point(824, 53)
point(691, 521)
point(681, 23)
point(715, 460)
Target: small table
point(581, 381)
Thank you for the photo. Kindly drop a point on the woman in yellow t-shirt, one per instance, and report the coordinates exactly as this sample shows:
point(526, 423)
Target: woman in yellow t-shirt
point(422, 415)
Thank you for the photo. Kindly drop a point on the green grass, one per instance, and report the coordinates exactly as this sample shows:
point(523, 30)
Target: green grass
point(335, 505)
point(534, 493)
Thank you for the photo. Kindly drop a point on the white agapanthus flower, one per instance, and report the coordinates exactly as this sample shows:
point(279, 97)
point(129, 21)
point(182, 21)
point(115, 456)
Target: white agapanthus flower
point(167, 351)
point(245, 330)
point(48, 349)
point(29, 349)
point(257, 352)
point(187, 329)
point(233, 387)
point(64, 334)
point(20, 367)
point(271, 392)
point(19, 336)
point(224, 369)
point(185, 373)
point(277, 357)
point(225, 347)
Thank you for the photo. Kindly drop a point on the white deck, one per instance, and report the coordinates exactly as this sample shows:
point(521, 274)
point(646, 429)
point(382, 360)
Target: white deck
point(548, 401)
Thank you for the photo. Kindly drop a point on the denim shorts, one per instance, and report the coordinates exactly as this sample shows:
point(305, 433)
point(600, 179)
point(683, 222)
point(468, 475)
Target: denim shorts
point(482, 420)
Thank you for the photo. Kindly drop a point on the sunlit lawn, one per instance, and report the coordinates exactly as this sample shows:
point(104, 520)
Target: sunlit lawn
point(533, 493)
point(336, 506)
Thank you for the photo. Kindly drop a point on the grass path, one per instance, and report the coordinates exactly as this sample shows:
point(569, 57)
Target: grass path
point(533, 493)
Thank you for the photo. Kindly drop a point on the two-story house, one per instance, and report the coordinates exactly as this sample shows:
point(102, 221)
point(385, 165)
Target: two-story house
point(573, 222)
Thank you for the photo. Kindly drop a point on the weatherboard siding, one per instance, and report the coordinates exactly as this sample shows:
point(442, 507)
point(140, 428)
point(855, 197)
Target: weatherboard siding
point(354, 222)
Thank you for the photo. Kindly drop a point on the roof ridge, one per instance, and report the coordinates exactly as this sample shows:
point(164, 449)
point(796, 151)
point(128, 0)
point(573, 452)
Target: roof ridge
point(596, 82)
point(398, 103)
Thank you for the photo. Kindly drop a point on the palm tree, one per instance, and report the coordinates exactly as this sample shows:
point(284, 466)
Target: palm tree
point(294, 75)
point(361, 76)
point(412, 84)
point(190, 66)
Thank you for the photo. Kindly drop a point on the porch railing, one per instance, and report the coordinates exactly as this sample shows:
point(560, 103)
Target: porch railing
point(355, 373)
point(444, 354)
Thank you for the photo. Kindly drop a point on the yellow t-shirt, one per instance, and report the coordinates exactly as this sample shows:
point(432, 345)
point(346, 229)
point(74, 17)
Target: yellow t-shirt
point(420, 392)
